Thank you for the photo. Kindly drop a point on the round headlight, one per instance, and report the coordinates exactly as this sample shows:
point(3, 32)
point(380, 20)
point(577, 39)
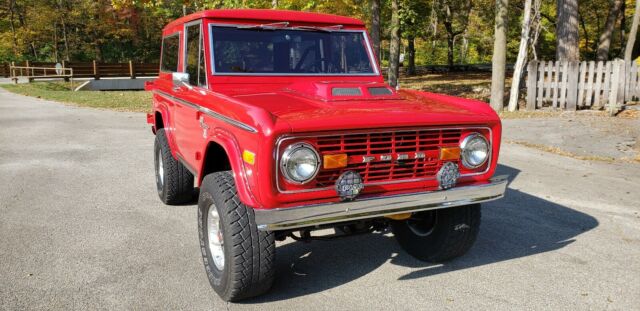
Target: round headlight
point(300, 163)
point(475, 150)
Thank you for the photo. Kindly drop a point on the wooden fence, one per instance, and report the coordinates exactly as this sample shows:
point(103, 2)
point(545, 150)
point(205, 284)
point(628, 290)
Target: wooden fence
point(93, 69)
point(573, 85)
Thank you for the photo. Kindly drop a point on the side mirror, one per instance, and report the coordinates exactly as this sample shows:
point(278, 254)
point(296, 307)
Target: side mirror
point(180, 79)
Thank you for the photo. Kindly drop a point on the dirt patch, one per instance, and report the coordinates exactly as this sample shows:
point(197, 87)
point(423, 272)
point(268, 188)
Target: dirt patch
point(587, 135)
point(474, 85)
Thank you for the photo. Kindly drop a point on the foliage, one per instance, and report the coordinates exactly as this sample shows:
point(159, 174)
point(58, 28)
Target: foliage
point(121, 30)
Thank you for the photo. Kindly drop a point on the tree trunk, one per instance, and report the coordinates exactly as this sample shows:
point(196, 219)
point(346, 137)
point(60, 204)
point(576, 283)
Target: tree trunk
point(628, 51)
point(450, 49)
point(375, 27)
point(499, 55)
point(394, 48)
point(605, 38)
point(274, 4)
point(411, 54)
point(64, 38)
point(33, 49)
point(537, 20)
point(14, 36)
point(464, 49)
point(585, 31)
point(55, 42)
point(451, 36)
point(522, 57)
point(567, 31)
point(623, 28)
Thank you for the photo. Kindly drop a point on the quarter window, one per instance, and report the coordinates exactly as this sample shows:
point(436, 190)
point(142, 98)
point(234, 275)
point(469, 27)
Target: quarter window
point(170, 48)
point(195, 56)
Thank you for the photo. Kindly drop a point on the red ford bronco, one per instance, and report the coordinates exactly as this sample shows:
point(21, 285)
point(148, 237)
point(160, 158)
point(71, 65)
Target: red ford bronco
point(283, 121)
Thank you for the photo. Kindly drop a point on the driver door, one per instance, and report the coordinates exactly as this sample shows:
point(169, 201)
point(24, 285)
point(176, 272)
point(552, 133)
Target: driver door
point(189, 129)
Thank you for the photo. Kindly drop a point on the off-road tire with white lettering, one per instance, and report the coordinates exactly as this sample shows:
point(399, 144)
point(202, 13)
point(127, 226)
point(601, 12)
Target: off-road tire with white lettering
point(443, 234)
point(249, 253)
point(176, 187)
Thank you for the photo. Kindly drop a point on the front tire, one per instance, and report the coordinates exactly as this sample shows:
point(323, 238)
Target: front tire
point(439, 235)
point(238, 258)
point(174, 182)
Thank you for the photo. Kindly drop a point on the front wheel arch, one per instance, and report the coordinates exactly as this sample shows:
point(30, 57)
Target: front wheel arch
point(223, 154)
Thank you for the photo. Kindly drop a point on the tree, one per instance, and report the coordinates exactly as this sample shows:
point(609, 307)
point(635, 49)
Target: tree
point(567, 31)
point(632, 34)
point(499, 55)
point(412, 22)
point(522, 57)
point(394, 49)
point(454, 15)
point(375, 27)
point(604, 43)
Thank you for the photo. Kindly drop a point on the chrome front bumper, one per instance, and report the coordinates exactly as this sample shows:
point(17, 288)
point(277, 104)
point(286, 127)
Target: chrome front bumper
point(311, 215)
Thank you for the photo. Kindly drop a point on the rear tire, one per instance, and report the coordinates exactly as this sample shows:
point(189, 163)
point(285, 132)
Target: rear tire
point(243, 265)
point(174, 182)
point(439, 235)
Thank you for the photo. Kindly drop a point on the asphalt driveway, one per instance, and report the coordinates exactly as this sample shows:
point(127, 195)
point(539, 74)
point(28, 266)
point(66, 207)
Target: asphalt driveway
point(81, 227)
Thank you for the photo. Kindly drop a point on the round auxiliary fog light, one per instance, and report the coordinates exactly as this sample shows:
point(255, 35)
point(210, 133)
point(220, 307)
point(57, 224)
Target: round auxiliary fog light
point(349, 185)
point(448, 175)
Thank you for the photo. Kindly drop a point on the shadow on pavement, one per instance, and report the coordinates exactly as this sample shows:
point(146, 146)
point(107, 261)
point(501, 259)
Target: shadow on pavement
point(517, 226)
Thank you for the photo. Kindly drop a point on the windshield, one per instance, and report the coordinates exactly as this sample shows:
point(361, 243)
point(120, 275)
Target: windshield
point(284, 51)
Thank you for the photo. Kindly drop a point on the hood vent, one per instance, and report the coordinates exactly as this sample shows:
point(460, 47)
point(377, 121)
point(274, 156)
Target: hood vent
point(378, 91)
point(346, 91)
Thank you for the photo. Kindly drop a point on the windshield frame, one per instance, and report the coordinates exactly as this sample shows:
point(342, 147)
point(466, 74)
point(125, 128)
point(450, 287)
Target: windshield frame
point(372, 60)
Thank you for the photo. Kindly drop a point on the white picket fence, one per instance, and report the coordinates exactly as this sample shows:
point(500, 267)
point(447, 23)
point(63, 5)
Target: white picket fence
point(584, 85)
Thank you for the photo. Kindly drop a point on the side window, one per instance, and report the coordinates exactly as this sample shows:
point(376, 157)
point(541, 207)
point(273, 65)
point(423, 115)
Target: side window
point(202, 71)
point(169, 57)
point(195, 56)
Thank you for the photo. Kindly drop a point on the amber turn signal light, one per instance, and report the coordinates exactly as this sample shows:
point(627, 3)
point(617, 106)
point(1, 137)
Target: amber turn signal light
point(249, 157)
point(335, 161)
point(450, 153)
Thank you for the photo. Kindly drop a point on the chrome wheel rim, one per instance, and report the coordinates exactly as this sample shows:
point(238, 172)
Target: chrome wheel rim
point(216, 239)
point(160, 169)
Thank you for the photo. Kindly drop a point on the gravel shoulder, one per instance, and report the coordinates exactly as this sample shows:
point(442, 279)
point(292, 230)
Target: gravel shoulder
point(82, 228)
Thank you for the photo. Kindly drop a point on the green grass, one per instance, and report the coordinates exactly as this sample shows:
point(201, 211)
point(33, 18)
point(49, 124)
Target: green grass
point(60, 91)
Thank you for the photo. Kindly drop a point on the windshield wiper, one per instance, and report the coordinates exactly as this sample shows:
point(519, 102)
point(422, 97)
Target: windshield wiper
point(319, 28)
point(270, 26)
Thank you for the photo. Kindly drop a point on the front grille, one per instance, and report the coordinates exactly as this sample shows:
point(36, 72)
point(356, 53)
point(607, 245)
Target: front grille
point(426, 142)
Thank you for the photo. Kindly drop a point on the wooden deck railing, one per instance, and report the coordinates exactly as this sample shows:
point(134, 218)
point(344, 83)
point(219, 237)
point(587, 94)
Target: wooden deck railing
point(93, 69)
point(40, 73)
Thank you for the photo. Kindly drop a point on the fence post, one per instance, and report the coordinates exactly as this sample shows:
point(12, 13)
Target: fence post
point(13, 73)
point(616, 87)
point(132, 70)
point(573, 73)
point(64, 71)
point(96, 71)
point(622, 90)
point(532, 79)
point(29, 72)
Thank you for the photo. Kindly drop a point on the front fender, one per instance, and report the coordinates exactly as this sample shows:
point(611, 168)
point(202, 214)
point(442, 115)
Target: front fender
point(232, 148)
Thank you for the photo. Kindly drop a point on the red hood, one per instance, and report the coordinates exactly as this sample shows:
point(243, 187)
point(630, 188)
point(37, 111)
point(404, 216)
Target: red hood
point(311, 107)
